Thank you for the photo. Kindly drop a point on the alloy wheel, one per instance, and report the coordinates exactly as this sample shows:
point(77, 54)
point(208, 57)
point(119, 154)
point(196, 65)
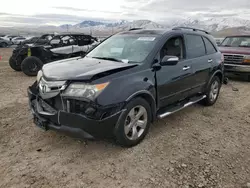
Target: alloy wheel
point(136, 122)
point(214, 91)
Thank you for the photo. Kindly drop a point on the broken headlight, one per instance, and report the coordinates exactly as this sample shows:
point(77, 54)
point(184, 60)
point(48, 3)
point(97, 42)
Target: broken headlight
point(85, 90)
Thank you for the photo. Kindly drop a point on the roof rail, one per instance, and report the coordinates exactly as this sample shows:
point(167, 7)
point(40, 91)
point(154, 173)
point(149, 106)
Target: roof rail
point(136, 28)
point(190, 28)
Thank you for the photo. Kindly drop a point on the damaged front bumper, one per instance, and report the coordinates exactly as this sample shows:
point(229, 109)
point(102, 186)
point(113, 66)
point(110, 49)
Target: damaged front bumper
point(75, 124)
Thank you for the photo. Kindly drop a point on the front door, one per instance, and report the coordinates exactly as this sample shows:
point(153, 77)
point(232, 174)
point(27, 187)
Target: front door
point(174, 81)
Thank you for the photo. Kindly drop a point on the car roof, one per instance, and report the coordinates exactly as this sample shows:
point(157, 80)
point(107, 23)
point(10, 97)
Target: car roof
point(164, 31)
point(144, 31)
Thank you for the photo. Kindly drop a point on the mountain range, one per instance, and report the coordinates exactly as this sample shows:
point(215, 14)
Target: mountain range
point(212, 25)
point(218, 25)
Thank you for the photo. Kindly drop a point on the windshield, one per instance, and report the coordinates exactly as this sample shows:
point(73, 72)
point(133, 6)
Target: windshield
point(126, 48)
point(236, 42)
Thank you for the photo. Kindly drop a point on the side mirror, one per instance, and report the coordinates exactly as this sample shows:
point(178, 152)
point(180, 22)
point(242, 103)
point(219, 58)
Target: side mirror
point(169, 60)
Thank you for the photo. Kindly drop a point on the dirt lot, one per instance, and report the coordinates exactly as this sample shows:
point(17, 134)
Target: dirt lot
point(196, 147)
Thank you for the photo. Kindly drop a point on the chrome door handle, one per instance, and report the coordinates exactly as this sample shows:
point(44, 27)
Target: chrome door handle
point(185, 68)
point(210, 61)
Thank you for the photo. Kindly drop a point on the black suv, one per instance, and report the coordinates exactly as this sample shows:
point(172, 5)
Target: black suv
point(126, 82)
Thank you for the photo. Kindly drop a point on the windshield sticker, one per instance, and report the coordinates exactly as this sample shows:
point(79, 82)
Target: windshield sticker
point(125, 60)
point(116, 50)
point(146, 38)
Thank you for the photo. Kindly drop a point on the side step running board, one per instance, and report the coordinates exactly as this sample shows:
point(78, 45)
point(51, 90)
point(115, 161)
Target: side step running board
point(181, 106)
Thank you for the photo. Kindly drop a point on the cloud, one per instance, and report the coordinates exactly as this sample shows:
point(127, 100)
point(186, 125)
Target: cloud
point(155, 10)
point(218, 14)
point(81, 9)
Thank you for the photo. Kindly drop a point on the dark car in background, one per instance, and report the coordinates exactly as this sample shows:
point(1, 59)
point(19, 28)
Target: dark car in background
point(31, 57)
point(21, 51)
point(236, 51)
point(126, 82)
point(44, 39)
point(5, 43)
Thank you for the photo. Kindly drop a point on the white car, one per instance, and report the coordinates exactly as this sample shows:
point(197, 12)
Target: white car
point(18, 40)
point(9, 37)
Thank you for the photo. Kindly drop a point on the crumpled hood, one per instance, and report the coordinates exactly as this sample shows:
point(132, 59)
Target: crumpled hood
point(80, 68)
point(235, 50)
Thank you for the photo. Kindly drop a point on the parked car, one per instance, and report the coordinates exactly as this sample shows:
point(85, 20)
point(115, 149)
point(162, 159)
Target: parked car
point(218, 40)
point(4, 43)
point(9, 37)
point(236, 51)
point(126, 82)
point(31, 58)
point(18, 40)
point(31, 40)
point(42, 40)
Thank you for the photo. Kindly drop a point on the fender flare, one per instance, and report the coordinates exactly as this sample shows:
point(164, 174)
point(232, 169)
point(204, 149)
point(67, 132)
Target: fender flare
point(152, 102)
point(211, 77)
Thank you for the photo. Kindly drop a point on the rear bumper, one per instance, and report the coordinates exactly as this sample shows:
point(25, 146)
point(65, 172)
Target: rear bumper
point(232, 68)
point(76, 125)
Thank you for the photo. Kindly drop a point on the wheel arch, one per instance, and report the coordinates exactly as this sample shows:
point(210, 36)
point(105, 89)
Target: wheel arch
point(218, 73)
point(148, 96)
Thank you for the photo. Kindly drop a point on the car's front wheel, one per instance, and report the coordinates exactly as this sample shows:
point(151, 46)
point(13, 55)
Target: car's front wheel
point(31, 65)
point(213, 91)
point(134, 123)
point(3, 44)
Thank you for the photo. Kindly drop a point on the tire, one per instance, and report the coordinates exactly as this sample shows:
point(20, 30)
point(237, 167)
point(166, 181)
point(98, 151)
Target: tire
point(128, 138)
point(3, 44)
point(14, 64)
point(248, 78)
point(212, 92)
point(31, 65)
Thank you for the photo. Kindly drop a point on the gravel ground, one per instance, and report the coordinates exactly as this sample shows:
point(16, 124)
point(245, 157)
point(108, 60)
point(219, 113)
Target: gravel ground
point(196, 147)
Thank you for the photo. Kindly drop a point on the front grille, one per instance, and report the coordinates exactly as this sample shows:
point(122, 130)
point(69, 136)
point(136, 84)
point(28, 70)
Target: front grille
point(45, 107)
point(233, 59)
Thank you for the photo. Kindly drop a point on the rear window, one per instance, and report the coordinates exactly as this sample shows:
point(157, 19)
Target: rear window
point(195, 46)
point(209, 46)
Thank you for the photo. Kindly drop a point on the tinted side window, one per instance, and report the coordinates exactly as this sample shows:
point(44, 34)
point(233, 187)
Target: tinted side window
point(173, 47)
point(195, 46)
point(209, 46)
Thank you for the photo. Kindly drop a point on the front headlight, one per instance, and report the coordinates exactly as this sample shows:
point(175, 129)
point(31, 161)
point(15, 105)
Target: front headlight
point(39, 76)
point(84, 90)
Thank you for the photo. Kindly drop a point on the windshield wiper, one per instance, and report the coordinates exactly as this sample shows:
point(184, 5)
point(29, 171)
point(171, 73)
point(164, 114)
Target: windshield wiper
point(109, 58)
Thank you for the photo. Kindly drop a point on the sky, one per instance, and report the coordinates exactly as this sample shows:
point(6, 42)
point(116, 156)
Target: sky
point(58, 12)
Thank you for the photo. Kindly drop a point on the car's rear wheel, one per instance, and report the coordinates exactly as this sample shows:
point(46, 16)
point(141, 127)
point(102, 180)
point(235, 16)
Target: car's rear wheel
point(14, 64)
point(31, 65)
point(134, 123)
point(213, 91)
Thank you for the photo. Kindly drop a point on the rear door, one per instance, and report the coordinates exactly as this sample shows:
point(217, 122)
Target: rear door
point(199, 61)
